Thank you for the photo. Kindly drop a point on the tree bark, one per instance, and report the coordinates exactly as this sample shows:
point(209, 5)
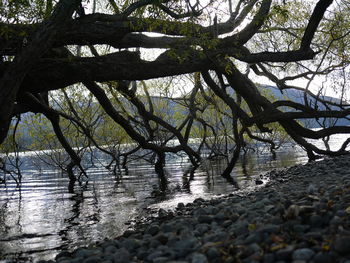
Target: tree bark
point(40, 43)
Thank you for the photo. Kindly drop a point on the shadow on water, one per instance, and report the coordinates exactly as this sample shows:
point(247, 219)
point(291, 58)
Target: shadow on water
point(47, 214)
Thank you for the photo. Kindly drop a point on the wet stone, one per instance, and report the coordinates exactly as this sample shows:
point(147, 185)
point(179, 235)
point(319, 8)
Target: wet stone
point(162, 213)
point(199, 201)
point(180, 205)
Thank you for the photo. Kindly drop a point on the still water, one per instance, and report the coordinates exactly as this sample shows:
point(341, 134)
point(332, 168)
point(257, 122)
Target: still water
point(43, 217)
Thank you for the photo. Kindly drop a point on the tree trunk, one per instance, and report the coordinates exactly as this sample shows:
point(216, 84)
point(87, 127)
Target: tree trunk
point(39, 44)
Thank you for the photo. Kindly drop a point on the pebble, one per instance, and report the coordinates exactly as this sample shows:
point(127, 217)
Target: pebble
point(199, 258)
point(303, 254)
point(342, 245)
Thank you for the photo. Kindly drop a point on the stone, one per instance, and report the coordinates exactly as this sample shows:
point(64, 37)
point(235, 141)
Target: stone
point(213, 253)
point(160, 260)
point(322, 258)
point(199, 201)
point(199, 211)
point(142, 254)
point(162, 213)
point(110, 249)
point(128, 233)
point(180, 206)
point(63, 254)
point(303, 254)
point(240, 228)
point(342, 245)
point(167, 228)
point(122, 256)
point(65, 260)
point(216, 237)
point(285, 253)
point(93, 259)
point(258, 182)
point(153, 230)
point(301, 228)
point(316, 221)
point(205, 219)
point(198, 258)
point(227, 223)
point(185, 246)
point(212, 210)
point(313, 235)
point(269, 228)
point(162, 238)
point(154, 243)
point(154, 255)
point(83, 253)
point(269, 258)
point(130, 244)
point(253, 238)
point(336, 220)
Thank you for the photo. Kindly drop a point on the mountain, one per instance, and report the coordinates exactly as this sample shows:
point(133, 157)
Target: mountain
point(298, 97)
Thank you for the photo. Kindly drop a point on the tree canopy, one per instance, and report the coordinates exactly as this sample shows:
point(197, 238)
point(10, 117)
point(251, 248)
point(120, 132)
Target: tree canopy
point(109, 49)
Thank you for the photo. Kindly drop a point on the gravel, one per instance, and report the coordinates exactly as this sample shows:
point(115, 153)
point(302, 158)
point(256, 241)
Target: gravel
point(301, 215)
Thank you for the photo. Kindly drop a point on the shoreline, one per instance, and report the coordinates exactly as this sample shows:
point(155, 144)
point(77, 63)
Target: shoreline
point(301, 215)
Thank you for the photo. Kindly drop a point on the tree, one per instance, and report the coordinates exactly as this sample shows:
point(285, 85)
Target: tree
point(225, 44)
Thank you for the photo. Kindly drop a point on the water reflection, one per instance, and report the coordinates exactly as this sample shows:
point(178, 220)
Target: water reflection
point(45, 215)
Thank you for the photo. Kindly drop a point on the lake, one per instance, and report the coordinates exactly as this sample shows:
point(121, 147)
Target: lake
point(43, 216)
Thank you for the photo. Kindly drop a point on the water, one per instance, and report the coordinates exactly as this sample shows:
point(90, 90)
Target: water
point(44, 216)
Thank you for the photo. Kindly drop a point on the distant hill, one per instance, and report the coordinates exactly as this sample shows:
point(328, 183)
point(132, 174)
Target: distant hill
point(298, 97)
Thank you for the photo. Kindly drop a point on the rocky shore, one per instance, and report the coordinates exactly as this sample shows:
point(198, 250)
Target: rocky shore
point(301, 215)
